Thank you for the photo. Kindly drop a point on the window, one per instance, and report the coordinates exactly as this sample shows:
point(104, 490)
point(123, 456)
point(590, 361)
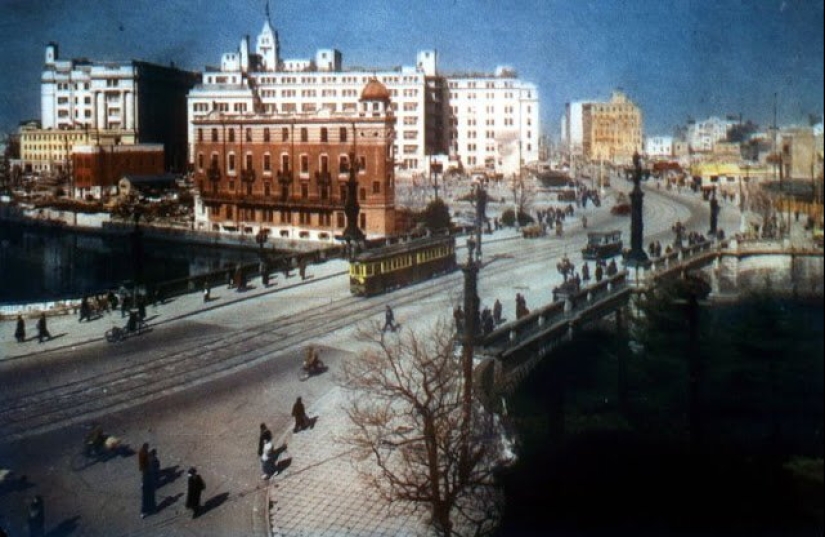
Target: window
point(285, 134)
point(200, 161)
point(267, 163)
point(343, 134)
point(376, 187)
point(343, 164)
point(200, 135)
point(230, 163)
point(362, 194)
point(248, 161)
point(324, 164)
point(284, 163)
point(304, 191)
point(248, 135)
point(214, 135)
point(231, 135)
point(304, 164)
point(304, 134)
point(266, 134)
point(324, 134)
point(362, 164)
point(340, 220)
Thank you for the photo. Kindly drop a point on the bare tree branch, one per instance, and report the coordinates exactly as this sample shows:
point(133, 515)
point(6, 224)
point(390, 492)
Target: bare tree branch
point(406, 414)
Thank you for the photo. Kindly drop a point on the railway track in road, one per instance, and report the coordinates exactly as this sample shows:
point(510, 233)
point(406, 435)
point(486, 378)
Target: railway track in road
point(160, 373)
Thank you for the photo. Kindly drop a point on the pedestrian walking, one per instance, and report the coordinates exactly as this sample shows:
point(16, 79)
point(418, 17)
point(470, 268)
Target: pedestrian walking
point(85, 310)
point(497, 312)
point(143, 458)
point(149, 484)
point(300, 415)
point(585, 273)
point(37, 517)
point(599, 272)
point(267, 460)
point(264, 437)
point(206, 292)
point(20, 330)
point(302, 269)
point(42, 329)
point(194, 488)
point(389, 320)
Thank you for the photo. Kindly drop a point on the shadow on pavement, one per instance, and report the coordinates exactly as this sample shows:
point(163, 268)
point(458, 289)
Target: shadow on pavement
point(167, 501)
point(168, 475)
point(213, 502)
point(64, 528)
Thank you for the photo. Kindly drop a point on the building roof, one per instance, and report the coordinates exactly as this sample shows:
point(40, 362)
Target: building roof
point(375, 91)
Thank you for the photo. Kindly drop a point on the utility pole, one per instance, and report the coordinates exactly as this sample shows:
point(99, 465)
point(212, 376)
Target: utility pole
point(471, 304)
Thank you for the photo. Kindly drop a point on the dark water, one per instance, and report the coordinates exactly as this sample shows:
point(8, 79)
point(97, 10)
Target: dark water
point(588, 468)
point(43, 265)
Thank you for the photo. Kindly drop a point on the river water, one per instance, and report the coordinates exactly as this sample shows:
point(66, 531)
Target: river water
point(588, 468)
point(39, 265)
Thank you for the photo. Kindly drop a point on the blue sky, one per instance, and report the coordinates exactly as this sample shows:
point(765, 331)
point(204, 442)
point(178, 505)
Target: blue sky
point(675, 58)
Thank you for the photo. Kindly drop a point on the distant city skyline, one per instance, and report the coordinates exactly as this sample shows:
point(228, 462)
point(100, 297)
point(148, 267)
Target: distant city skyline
point(674, 58)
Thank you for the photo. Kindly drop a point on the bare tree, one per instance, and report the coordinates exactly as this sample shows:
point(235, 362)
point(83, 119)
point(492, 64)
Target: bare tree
point(524, 192)
point(406, 411)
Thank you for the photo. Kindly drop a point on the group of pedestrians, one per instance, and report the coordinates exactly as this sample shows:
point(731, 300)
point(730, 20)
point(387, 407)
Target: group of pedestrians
point(43, 333)
point(150, 473)
point(267, 452)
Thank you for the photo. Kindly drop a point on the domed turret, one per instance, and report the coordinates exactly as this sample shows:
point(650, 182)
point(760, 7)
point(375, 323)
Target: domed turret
point(375, 91)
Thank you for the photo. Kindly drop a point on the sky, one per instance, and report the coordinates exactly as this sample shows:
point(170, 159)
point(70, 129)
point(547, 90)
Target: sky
point(676, 59)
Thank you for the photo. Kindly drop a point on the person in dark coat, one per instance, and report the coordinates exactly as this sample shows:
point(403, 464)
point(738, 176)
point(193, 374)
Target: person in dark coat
point(389, 319)
point(143, 458)
point(300, 415)
point(194, 488)
point(264, 437)
point(85, 310)
point(599, 272)
point(20, 331)
point(497, 312)
point(42, 329)
point(149, 485)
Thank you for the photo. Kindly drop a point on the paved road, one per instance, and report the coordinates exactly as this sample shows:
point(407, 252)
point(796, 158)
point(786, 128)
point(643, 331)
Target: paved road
point(199, 383)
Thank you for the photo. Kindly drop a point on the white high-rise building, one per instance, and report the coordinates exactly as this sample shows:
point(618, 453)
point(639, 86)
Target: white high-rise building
point(703, 135)
point(482, 121)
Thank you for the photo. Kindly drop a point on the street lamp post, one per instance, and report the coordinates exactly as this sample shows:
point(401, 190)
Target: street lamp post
point(261, 238)
point(637, 256)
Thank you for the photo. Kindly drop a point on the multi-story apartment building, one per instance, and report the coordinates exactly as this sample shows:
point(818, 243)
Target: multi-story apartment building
point(659, 146)
point(96, 169)
point(495, 121)
point(612, 131)
point(490, 116)
point(284, 173)
point(704, 135)
point(572, 133)
point(101, 102)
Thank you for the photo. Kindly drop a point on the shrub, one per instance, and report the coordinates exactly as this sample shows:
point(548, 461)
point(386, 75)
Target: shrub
point(508, 218)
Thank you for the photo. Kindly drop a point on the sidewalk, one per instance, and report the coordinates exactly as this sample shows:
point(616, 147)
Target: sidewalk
point(320, 492)
point(67, 332)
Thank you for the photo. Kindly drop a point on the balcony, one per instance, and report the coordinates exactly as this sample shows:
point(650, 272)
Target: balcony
point(285, 178)
point(259, 201)
point(323, 178)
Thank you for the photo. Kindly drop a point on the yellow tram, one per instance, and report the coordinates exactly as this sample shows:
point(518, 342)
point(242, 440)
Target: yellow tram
point(378, 270)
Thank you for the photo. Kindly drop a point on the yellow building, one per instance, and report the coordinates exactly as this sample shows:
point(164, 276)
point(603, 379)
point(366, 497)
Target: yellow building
point(612, 131)
point(48, 151)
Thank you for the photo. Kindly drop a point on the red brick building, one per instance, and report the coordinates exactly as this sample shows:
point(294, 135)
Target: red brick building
point(286, 174)
point(97, 169)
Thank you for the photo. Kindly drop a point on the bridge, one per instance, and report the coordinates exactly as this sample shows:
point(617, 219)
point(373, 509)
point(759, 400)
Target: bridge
point(508, 354)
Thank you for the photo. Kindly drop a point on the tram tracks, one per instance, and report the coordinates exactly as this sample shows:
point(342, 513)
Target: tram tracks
point(158, 374)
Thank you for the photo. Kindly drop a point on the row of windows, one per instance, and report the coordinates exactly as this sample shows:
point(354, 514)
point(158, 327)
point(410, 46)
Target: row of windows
point(266, 163)
point(303, 134)
point(398, 262)
point(284, 216)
